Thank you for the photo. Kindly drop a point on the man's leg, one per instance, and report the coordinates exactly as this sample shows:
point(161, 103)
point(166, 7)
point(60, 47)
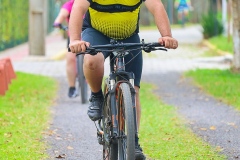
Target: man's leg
point(138, 150)
point(93, 70)
point(138, 106)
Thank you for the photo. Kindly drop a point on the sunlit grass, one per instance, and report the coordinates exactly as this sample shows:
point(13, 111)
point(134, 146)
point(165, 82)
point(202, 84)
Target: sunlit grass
point(24, 113)
point(222, 84)
point(222, 43)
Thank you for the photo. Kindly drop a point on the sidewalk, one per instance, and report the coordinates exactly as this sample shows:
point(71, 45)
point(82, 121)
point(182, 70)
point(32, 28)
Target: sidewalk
point(55, 50)
point(50, 64)
point(182, 59)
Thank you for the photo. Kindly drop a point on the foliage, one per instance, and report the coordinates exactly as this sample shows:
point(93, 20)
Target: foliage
point(212, 26)
point(53, 10)
point(222, 84)
point(13, 22)
point(164, 135)
point(24, 113)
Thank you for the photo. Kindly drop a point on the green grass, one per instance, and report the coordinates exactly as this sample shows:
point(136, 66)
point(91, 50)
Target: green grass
point(222, 43)
point(24, 113)
point(222, 84)
point(163, 135)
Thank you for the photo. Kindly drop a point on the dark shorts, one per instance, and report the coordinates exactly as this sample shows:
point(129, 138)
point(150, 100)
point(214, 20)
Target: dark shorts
point(135, 64)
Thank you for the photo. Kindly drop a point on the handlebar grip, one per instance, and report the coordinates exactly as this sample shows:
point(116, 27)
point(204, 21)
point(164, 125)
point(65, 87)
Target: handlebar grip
point(89, 50)
point(156, 44)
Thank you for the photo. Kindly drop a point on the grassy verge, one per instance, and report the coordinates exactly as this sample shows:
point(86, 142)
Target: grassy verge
point(23, 116)
point(210, 53)
point(222, 84)
point(222, 43)
point(163, 135)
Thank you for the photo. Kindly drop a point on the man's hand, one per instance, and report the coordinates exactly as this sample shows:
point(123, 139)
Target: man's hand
point(168, 42)
point(77, 46)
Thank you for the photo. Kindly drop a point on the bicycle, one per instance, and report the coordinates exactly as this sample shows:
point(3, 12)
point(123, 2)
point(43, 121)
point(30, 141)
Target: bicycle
point(117, 128)
point(82, 83)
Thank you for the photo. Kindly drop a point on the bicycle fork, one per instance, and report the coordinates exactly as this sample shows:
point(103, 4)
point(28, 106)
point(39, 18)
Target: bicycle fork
point(114, 112)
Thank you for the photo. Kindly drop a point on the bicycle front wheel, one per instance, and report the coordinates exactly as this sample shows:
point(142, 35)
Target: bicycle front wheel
point(82, 83)
point(126, 128)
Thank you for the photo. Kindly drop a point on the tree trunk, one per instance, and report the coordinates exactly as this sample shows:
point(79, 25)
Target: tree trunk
point(236, 34)
point(37, 27)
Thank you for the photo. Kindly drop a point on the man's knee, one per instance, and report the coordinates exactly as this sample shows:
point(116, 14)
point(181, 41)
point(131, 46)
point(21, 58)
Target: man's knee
point(93, 62)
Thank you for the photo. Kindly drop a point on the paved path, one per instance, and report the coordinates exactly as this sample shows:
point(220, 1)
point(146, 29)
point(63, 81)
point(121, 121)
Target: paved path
point(72, 134)
point(215, 122)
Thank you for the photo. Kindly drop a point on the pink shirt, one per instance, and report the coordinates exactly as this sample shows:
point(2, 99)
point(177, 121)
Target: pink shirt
point(68, 6)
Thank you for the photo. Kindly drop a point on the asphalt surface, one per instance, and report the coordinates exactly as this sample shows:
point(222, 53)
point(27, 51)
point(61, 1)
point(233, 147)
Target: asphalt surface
point(73, 136)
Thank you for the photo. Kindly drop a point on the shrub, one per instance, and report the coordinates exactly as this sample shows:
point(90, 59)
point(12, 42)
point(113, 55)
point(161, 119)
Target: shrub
point(212, 26)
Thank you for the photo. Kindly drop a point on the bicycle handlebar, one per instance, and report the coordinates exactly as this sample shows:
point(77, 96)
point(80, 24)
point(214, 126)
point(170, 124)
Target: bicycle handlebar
point(147, 47)
point(65, 28)
point(59, 25)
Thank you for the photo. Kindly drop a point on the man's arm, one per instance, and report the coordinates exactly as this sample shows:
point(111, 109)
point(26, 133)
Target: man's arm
point(79, 9)
point(161, 19)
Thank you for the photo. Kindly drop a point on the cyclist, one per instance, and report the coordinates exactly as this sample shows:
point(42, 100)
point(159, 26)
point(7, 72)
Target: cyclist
point(63, 15)
point(183, 7)
point(113, 19)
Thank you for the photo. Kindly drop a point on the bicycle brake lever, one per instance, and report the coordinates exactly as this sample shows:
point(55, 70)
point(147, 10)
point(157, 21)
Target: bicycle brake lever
point(163, 49)
point(149, 49)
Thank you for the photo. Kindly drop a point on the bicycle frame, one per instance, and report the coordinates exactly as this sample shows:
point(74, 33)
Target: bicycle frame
point(119, 75)
point(117, 128)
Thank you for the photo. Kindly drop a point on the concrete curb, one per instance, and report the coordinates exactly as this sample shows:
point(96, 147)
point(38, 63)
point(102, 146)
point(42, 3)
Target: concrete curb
point(211, 46)
point(59, 56)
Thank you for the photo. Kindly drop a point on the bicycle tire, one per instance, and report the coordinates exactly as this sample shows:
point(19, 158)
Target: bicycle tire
point(82, 83)
point(110, 151)
point(126, 125)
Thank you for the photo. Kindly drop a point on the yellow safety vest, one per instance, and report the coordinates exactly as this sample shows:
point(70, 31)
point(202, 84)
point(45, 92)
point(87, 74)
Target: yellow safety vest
point(117, 19)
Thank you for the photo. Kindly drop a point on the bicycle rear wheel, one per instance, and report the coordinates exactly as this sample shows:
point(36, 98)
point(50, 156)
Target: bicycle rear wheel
point(110, 151)
point(82, 83)
point(126, 128)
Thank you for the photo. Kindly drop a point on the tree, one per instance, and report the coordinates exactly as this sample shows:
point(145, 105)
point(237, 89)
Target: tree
point(236, 34)
point(37, 27)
